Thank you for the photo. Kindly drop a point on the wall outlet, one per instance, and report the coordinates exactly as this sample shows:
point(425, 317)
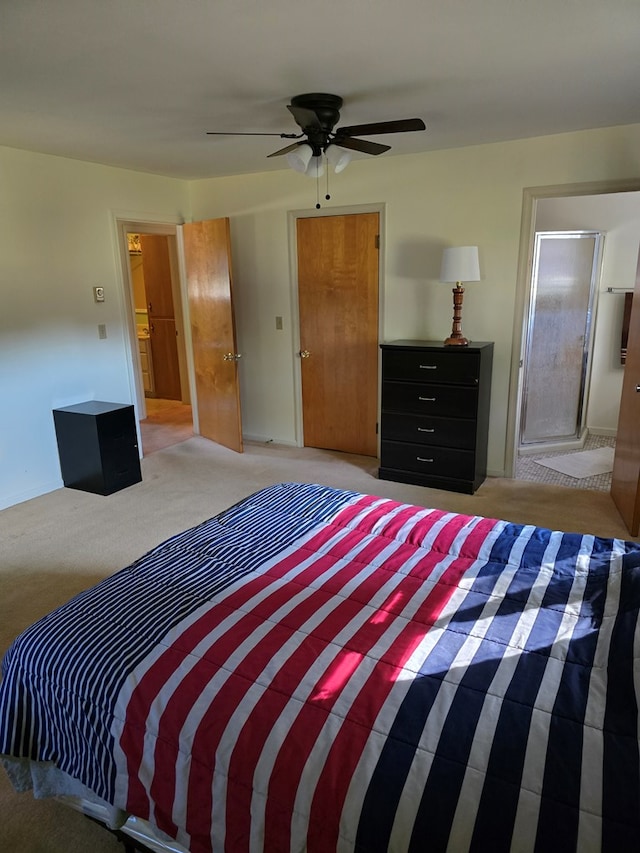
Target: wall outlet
point(102, 331)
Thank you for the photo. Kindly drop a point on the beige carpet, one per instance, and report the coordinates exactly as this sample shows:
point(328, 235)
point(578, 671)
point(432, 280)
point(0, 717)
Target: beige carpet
point(61, 543)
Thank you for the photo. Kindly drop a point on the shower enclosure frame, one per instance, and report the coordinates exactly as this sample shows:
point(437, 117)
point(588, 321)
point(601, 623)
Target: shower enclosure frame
point(573, 437)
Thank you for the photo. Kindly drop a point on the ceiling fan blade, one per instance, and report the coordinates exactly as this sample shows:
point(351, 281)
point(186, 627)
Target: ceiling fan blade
point(242, 133)
point(303, 116)
point(363, 145)
point(400, 126)
point(285, 150)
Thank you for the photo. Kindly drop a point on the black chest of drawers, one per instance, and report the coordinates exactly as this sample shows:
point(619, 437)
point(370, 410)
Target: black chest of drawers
point(435, 414)
point(98, 446)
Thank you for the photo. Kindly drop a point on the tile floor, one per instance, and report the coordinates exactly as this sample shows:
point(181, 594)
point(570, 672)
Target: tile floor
point(528, 469)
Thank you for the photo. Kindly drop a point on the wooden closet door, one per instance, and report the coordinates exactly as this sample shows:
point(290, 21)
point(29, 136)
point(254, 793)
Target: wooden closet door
point(338, 303)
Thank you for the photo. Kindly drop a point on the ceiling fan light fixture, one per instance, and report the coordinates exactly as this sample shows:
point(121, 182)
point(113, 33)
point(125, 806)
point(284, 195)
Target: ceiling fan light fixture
point(315, 168)
point(338, 157)
point(300, 158)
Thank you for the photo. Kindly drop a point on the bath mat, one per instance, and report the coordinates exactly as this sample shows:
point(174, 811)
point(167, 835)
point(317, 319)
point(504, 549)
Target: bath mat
point(584, 463)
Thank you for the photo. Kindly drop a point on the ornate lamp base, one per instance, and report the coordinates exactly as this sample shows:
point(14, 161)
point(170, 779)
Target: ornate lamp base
point(460, 342)
point(457, 338)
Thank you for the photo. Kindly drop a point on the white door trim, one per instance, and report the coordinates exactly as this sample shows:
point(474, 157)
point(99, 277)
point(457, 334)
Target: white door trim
point(128, 222)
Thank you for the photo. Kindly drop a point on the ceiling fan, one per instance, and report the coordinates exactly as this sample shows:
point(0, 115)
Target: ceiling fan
point(317, 114)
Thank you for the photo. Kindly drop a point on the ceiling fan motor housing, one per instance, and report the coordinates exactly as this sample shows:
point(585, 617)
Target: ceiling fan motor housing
point(317, 114)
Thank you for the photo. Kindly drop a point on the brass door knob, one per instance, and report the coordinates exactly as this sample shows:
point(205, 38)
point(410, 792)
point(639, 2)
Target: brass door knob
point(232, 356)
point(304, 353)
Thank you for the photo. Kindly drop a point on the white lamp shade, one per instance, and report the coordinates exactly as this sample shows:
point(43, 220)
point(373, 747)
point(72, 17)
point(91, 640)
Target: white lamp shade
point(300, 158)
point(338, 157)
point(460, 263)
point(315, 168)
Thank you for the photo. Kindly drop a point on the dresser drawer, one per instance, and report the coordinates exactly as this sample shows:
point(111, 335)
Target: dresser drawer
point(428, 460)
point(445, 432)
point(442, 400)
point(461, 368)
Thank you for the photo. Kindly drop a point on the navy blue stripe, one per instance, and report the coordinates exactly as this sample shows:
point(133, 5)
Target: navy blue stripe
point(383, 795)
point(621, 776)
point(449, 766)
point(500, 795)
point(559, 809)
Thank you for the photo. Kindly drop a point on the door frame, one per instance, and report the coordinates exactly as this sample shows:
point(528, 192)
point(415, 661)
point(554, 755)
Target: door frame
point(292, 219)
point(530, 197)
point(125, 223)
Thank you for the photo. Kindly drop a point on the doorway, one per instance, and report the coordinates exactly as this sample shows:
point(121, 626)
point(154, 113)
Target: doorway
point(159, 358)
point(614, 209)
point(201, 289)
point(155, 313)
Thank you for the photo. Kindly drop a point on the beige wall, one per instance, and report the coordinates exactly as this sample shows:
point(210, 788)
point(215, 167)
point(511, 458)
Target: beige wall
point(457, 197)
point(58, 241)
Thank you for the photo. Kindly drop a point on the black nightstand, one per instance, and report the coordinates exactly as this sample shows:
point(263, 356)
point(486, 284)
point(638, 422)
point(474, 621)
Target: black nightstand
point(435, 414)
point(98, 446)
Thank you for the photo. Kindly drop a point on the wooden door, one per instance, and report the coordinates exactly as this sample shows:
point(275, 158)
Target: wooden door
point(156, 269)
point(625, 480)
point(338, 302)
point(207, 254)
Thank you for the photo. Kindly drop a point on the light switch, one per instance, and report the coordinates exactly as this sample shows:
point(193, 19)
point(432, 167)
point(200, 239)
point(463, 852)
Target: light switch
point(98, 294)
point(102, 331)
point(278, 322)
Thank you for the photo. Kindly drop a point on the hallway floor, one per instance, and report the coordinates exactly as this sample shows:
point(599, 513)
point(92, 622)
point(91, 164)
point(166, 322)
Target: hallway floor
point(168, 422)
point(528, 469)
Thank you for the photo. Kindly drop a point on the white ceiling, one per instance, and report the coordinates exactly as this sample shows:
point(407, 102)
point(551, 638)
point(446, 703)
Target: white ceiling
point(136, 83)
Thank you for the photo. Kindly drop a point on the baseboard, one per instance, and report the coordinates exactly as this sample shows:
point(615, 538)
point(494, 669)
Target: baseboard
point(494, 472)
point(264, 439)
point(21, 497)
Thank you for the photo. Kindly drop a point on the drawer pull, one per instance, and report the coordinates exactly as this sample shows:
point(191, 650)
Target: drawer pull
point(428, 367)
point(424, 429)
point(427, 399)
point(420, 459)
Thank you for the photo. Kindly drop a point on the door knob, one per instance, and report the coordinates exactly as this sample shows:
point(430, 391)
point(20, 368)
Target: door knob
point(232, 356)
point(304, 353)
point(638, 388)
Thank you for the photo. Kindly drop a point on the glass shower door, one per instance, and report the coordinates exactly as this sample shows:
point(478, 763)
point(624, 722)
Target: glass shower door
point(564, 275)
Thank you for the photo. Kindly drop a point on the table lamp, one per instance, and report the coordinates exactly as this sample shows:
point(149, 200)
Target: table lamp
point(459, 263)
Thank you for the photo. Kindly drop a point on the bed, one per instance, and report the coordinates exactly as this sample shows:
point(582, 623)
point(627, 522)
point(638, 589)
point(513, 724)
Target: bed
point(321, 670)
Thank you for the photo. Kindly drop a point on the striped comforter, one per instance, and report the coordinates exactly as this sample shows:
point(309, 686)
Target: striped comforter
point(320, 670)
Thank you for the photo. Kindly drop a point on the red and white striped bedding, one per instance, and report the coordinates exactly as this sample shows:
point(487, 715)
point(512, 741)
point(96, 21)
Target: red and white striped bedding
point(320, 670)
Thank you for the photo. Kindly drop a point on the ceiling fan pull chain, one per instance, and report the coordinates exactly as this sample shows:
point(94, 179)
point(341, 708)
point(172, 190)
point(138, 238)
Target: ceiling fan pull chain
point(317, 187)
point(326, 165)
